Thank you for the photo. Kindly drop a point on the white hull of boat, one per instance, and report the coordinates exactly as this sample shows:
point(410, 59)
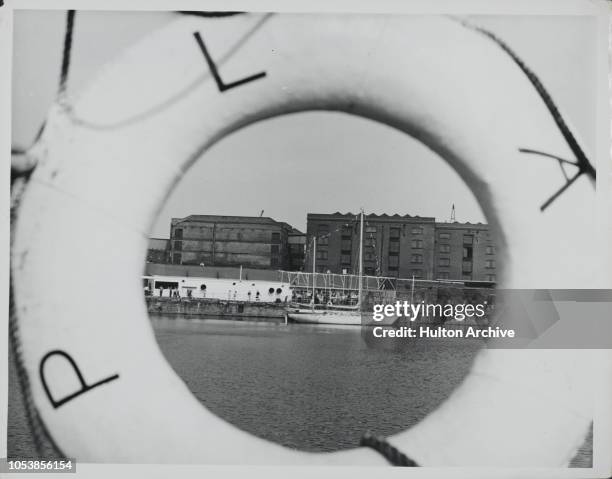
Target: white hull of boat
point(326, 317)
point(348, 318)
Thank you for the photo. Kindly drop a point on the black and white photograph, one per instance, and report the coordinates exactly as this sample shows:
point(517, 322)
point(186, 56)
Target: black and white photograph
point(308, 236)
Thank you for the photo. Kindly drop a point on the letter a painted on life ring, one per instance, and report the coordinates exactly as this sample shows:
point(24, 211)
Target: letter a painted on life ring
point(84, 386)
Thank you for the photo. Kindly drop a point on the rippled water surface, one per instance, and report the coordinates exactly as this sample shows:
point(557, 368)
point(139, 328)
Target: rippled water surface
point(314, 388)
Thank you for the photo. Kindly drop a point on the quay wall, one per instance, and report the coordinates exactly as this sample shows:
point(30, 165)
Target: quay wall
point(215, 308)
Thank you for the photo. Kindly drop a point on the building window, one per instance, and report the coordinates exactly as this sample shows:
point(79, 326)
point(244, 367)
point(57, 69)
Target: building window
point(444, 248)
point(274, 261)
point(490, 250)
point(274, 249)
point(347, 245)
point(417, 230)
point(178, 233)
point(444, 262)
point(444, 236)
point(346, 259)
point(394, 234)
point(393, 261)
point(370, 241)
point(491, 277)
point(466, 277)
point(369, 270)
point(417, 243)
point(322, 254)
point(322, 234)
point(370, 229)
point(394, 247)
point(490, 263)
point(369, 256)
point(176, 258)
point(347, 232)
point(275, 238)
point(416, 258)
point(178, 245)
point(468, 252)
point(443, 275)
point(467, 267)
point(468, 239)
point(417, 273)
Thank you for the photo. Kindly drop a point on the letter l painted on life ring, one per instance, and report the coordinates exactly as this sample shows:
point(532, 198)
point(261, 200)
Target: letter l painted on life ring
point(215, 72)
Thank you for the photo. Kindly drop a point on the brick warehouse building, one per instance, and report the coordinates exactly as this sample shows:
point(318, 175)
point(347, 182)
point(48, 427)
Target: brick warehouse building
point(256, 242)
point(402, 246)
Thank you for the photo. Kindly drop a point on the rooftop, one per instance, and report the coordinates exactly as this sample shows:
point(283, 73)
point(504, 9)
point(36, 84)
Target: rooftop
point(395, 217)
point(459, 224)
point(370, 216)
point(227, 219)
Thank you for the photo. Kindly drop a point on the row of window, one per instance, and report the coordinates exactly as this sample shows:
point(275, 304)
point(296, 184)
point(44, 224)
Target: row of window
point(393, 260)
point(274, 248)
point(274, 236)
point(348, 231)
point(467, 251)
point(490, 263)
point(394, 242)
point(467, 239)
point(394, 247)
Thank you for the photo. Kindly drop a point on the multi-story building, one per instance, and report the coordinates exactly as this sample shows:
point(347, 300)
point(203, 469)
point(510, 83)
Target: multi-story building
point(211, 240)
point(464, 251)
point(393, 245)
point(401, 246)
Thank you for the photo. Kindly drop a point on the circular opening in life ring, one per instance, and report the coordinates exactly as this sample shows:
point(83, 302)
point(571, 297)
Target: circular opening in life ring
point(265, 376)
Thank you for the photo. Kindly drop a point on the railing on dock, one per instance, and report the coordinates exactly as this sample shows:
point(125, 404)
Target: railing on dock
point(384, 289)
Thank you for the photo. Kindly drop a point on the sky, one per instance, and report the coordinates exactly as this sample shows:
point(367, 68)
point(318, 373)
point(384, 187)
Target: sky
point(309, 162)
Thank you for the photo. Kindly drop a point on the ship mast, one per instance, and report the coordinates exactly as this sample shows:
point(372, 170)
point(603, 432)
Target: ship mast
point(314, 274)
point(360, 261)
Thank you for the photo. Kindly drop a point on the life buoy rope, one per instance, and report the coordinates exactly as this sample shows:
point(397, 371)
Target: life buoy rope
point(327, 66)
point(390, 453)
point(67, 51)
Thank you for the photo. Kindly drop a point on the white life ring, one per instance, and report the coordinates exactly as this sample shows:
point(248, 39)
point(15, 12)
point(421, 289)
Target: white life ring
point(156, 109)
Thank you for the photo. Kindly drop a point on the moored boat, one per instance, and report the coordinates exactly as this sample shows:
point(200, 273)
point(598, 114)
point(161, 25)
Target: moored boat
point(336, 314)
